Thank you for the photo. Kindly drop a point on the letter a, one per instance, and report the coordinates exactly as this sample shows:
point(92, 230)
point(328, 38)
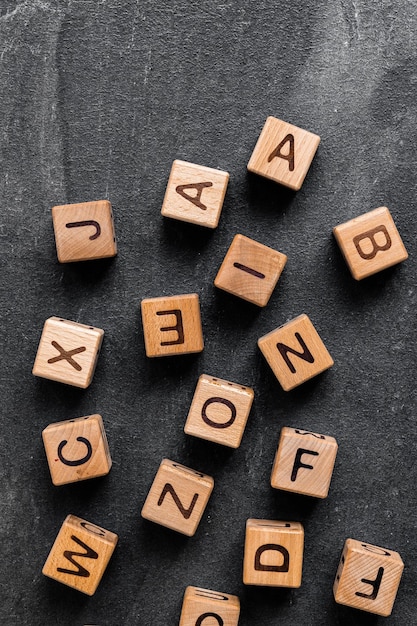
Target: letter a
point(196, 200)
point(287, 157)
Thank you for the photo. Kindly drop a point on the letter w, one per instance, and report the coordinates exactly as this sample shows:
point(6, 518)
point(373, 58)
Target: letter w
point(89, 554)
point(186, 513)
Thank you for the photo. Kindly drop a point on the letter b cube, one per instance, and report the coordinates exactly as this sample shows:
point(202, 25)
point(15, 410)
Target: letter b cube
point(273, 553)
point(368, 577)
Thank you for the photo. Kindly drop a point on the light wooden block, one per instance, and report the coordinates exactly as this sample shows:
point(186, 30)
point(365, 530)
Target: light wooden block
point(84, 232)
point(80, 554)
point(295, 352)
point(283, 153)
point(250, 270)
point(304, 462)
point(178, 497)
point(368, 577)
point(68, 352)
point(273, 553)
point(172, 325)
point(203, 607)
point(370, 243)
point(77, 449)
point(195, 194)
point(219, 411)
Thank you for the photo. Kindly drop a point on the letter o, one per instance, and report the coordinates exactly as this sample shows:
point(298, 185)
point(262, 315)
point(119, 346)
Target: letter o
point(217, 400)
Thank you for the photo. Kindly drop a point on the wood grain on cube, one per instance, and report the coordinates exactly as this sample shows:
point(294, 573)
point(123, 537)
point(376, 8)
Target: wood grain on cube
point(68, 352)
point(219, 411)
point(283, 153)
point(273, 553)
point(80, 554)
point(250, 270)
point(370, 243)
point(178, 497)
point(84, 232)
point(368, 577)
point(204, 606)
point(77, 449)
point(304, 462)
point(195, 194)
point(172, 325)
point(295, 352)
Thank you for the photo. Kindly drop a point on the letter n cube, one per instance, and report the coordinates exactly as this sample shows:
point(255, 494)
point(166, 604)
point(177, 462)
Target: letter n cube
point(80, 554)
point(273, 553)
point(202, 606)
point(368, 577)
point(172, 325)
point(304, 462)
point(178, 497)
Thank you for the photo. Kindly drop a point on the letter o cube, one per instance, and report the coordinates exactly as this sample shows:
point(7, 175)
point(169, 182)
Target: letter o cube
point(273, 553)
point(77, 449)
point(219, 411)
point(368, 577)
point(304, 462)
point(203, 606)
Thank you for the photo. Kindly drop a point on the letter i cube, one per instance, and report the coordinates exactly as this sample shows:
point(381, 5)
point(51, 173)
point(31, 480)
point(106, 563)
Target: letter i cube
point(304, 462)
point(370, 243)
point(368, 577)
point(178, 497)
point(273, 553)
point(203, 605)
point(77, 449)
point(80, 554)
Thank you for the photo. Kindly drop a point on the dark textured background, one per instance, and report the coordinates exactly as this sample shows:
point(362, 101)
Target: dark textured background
point(96, 100)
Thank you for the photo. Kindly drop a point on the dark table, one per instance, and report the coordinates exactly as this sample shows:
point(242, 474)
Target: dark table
point(97, 99)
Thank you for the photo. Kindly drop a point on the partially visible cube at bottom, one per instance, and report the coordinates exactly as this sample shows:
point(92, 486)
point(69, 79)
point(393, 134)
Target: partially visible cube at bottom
point(201, 606)
point(80, 554)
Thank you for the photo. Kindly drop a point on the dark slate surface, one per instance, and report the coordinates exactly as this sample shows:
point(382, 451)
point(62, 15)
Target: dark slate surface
point(97, 98)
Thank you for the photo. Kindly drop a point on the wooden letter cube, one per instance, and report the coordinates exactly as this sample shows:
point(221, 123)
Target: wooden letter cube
point(304, 462)
point(283, 153)
point(77, 449)
point(195, 194)
point(84, 232)
point(295, 352)
point(80, 554)
point(273, 553)
point(368, 577)
point(250, 270)
point(172, 325)
point(370, 243)
point(219, 411)
point(203, 606)
point(68, 352)
point(177, 497)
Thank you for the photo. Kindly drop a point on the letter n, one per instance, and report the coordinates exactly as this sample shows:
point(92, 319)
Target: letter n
point(305, 354)
point(88, 554)
point(186, 513)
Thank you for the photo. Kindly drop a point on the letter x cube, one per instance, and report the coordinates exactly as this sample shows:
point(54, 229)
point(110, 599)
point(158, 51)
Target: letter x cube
point(370, 243)
point(273, 553)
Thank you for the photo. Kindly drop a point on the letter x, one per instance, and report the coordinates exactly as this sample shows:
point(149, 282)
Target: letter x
point(67, 355)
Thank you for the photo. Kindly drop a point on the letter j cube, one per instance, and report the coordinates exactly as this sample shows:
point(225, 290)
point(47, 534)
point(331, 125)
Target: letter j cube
point(273, 553)
point(368, 577)
point(370, 243)
point(172, 325)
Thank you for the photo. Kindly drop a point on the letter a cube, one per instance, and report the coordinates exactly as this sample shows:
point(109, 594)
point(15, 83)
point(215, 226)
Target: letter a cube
point(368, 577)
point(172, 325)
point(219, 411)
point(80, 554)
point(273, 553)
point(201, 606)
point(295, 352)
point(283, 153)
point(77, 449)
point(304, 462)
point(178, 497)
point(370, 243)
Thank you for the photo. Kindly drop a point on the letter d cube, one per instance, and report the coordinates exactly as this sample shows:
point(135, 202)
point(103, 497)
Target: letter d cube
point(273, 553)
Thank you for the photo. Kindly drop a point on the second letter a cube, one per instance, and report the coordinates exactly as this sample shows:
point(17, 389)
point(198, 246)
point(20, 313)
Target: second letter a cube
point(295, 352)
point(178, 497)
